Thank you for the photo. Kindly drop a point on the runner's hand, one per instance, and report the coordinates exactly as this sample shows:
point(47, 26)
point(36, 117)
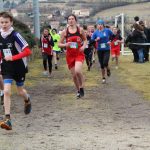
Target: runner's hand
point(8, 58)
point(82, 49)
point(109, 42)
point(68, 44)
point(97, 39)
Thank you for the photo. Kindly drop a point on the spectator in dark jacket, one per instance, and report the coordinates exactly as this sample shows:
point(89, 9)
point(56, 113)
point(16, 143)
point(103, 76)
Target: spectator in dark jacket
point(137, 36)
point(147, 34)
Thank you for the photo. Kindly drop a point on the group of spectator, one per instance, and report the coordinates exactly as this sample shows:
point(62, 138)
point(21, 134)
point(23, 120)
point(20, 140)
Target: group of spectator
point(139, 41)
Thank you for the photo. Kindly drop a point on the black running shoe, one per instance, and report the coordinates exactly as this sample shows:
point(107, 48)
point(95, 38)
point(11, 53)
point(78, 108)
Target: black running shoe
point(56, 67)
point(2, 99)
point(81, 92)
point(27, 106)
point(108, 73)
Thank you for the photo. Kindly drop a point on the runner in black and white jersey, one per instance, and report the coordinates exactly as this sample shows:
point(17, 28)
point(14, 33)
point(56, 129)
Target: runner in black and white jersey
point(13, 52)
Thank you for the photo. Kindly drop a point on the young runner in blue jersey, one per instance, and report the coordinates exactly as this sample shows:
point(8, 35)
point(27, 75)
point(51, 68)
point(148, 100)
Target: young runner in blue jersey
point(102, 36)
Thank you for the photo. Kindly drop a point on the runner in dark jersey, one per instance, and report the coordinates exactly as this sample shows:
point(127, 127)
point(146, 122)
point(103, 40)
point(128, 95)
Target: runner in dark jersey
point(13, 52)
point(75, 45)
point(89, 50)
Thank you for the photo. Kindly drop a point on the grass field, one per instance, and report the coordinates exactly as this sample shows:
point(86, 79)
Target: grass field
point(135, 75)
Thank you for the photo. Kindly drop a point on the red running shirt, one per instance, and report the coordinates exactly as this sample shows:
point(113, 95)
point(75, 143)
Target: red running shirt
point(46, 47)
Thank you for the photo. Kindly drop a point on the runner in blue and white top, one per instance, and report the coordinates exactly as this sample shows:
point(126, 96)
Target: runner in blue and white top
point(102, 36)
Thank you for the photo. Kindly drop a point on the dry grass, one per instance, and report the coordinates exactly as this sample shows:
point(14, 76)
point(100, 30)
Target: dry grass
point(135, 75)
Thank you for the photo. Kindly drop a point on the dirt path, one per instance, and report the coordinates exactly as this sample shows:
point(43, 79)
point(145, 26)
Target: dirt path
point(110, 117)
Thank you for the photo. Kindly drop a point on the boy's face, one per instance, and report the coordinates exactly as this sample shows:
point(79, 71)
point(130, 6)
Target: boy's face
point(115, 30)
point(54, 32)
point(5, 23)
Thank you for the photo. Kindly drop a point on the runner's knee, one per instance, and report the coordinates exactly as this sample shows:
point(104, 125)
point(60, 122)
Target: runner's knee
point(21, 92)
point(7, 92)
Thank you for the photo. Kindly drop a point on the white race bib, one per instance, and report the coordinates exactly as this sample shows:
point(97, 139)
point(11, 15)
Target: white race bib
point(74, 45)
point(115, 43)
point(87, 46)
point(45, 45)
point(7, 52)
point(103, 45)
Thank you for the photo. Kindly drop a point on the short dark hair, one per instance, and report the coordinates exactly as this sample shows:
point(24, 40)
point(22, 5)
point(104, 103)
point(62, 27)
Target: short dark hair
point(73, 16)
point(5, 14)
point(136, 18)
point(85, 27)
point(49, 26)
point(54, 30)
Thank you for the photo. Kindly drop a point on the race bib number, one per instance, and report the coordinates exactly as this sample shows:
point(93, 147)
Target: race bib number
point(7, 52)
point(104, 34)
point(115, 43)
point(74, 45)
point(45, 45)
point(103, 45)
point(87, 46)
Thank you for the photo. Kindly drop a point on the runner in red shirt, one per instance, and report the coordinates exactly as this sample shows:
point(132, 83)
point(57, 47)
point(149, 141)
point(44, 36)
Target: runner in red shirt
point(116, 41)
point(75, 44)
point(47, 43)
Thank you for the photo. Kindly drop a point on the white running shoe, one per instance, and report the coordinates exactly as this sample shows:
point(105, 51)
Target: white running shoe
point(78, 95)
point(49, 75)
point(116, 67)
point(103, 81)
point(45, 73)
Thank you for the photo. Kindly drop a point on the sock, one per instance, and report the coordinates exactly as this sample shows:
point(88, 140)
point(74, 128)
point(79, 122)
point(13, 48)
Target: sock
point(27, 100)
point(2, 93)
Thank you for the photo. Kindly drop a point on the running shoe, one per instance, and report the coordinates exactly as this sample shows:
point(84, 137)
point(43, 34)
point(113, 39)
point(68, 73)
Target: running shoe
point(89, 68)
point(81, 92)
point(56, 67)
point(49, 75)
point(6, 124)
point(108, 72)
point(103, 81)
point(2, 99)
point(27, 106)
point(45, 73)
point(78, 95)
point(116, 67)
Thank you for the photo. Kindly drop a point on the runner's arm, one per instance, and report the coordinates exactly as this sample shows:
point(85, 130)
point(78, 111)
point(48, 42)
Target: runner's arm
point(61, 43)
point(83, 38)
point(26, 52)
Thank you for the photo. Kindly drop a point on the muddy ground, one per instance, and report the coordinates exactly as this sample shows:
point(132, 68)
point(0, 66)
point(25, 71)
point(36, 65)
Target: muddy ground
point(109, 117)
